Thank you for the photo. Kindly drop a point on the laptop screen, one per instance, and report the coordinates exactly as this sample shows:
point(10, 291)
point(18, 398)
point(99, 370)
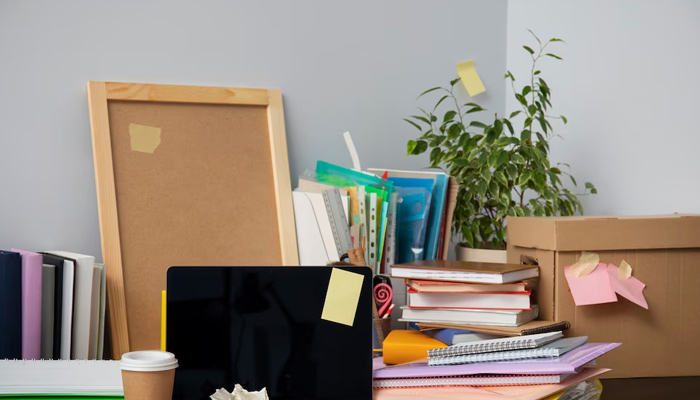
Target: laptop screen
point(262, 327)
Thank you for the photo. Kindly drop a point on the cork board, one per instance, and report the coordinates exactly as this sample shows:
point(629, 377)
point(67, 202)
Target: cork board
point(185, 176)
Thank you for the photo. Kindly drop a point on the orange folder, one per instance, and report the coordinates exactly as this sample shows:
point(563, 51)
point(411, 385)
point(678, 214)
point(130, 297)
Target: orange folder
point(402, 346)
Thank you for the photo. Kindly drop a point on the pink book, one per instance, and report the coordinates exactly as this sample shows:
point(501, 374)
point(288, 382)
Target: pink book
point(566, 364)
point(31, 304)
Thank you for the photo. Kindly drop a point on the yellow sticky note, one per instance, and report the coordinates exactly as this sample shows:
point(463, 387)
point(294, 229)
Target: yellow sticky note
point(470, 78)
point(145, 139)
point(342, 297)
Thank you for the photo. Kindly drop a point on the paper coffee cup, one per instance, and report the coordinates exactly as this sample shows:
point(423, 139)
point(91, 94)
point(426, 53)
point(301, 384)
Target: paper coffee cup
point(148, 375)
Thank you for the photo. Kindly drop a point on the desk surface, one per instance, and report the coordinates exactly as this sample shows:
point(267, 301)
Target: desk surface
point(651, 388)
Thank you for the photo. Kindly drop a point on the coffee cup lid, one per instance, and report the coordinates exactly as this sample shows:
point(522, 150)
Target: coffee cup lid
point(148, 361)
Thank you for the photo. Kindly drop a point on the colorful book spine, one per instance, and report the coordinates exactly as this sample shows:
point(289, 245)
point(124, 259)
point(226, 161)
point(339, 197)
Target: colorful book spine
point(32, 266)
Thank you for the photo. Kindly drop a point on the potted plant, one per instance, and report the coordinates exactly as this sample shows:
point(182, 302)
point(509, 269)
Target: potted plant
point(502, 167)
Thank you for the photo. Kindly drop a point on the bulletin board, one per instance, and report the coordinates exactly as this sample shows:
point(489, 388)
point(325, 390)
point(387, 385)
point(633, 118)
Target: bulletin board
point(185, 175)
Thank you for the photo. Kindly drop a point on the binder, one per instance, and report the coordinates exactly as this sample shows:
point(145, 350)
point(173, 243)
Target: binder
point(10, 305)
point(553, 349)
point(501, 344)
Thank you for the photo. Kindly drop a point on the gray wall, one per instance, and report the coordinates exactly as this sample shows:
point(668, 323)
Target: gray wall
point(341, 65)
point(629, 86)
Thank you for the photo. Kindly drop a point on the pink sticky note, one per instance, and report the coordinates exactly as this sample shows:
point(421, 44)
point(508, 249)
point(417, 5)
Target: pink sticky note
point(631, 288)
point(593, 288)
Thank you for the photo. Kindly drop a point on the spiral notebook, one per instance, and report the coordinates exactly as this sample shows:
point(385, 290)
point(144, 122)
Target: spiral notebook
point(485, 380)
point(502, 344)
point(553, 349)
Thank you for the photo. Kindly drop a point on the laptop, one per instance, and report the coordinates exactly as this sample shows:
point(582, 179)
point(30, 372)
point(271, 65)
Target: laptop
point(262, 327)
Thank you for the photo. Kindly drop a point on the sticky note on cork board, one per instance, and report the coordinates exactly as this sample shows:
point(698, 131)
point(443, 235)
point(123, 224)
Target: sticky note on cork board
point(342, 297)
point(144, 138)
point(470, 78)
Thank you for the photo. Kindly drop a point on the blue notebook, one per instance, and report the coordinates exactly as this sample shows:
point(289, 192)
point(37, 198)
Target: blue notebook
point(10, 305)
point(437, 208)
point(412, 217)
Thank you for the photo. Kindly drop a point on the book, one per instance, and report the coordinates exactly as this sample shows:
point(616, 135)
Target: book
point(57, 263)
point(451, 204)
point(103, 304)
point(68, 290)
point(467, 300)
point(553, 349)
point(95, 312)
point(452, 287)
point(500, 344)
point(10, 305)
point(528, 328)
point(454, 336)
point(402, 346)
point(569, 363)
point(48, 287)
point(60, 377)
point(31, 304)
point(473, 380)
point(462, 271)
point(462, 316)
point(82, 303)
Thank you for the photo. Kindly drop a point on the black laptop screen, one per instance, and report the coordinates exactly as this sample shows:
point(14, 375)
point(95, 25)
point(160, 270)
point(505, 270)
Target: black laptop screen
point(262, 327)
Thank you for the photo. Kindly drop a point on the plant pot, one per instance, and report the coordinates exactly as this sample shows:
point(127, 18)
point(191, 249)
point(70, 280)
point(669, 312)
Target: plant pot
point(480, 255)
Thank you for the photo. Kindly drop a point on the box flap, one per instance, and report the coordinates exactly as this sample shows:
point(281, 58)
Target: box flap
point(605, 233)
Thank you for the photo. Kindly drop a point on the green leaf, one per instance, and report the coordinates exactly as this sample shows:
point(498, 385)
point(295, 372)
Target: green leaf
point(573, 180)
point(463, 140)
point(501, 177)
point(492, 135)
point(525, 135)
point(435, 154)
point(529, 50)
point(475, 108)
point(509, 75)
point(531, 109)
point(413, 123)
point(428, 91)
point(420, 147)
point(563, 118)
point(502, 157)
point(535, 36)
point(411, 146)
point(449, 116)
point(422, 119)
point(537, 72)
point(556, 40)
point(481, 188)
point(498, 126)
point(504, 199)
point(526, 90)
point(521, 99)
point(518, 159)
point(510, 127)
point(524, 178)
point(514, 113)
point(478, 124)
point(493, 189)
point(453, 131)
point(589, 185)
point(486, 173)
point(542, 124)
point(440, 101)
point(554, 56)
point(454, 81)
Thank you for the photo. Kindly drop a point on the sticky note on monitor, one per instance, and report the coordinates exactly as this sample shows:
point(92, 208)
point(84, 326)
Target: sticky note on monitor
point(143, 138)
point(470, 79)
point(593, 288)
point(342, 296)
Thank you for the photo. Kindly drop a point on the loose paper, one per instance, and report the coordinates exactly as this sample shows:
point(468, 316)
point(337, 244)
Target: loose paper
point(239, 394)
point(470, 78)
point(625, 271)
point(594, 288)
point(342, 297)
point(145, 139)
point(585, 265)
point(630, 288)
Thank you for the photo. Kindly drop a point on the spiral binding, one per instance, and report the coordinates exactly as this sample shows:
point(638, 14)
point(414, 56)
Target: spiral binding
point(496, 356)
point(487, 346)
point(477, 380)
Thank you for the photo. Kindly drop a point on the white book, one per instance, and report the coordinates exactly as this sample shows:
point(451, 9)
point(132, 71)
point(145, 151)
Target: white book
point(67, 308)
point(315, 239)
point(553, 349)
point(103, 304)
point(501, 344)
point(82, 303)
point(60, 377)
point(472, 317)
point(94, 312)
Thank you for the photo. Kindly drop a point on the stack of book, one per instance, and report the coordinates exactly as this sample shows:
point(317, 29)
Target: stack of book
point(546, 360)
point(453, 294)
point(52, 306)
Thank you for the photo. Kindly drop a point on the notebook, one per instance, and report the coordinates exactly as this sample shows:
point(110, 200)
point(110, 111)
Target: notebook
point(466, 300)
point(501, 344)
point(263, 327)
point(454, 336)
point(529, 328)
point(478, 380)
point(463, 316)
point(48, 287)
point(462, 271)
point(569, 363)
point(57, 263)
point(553, 349)
point(59, 377)
point(31, 304)
point(10, 305)
point(442, 286)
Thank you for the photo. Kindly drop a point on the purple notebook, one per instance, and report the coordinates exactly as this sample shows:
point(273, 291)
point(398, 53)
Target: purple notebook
point(566, 364)
point(31, 304)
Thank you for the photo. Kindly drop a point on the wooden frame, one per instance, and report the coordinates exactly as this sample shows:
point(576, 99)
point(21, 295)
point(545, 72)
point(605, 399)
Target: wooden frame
point(100, 94)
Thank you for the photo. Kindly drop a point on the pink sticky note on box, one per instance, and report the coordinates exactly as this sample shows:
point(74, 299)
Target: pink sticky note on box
point(593, 288)
point(630, 288)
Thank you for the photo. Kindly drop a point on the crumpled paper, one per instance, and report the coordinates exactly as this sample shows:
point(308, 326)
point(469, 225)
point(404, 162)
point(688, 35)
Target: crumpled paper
point(239, 394)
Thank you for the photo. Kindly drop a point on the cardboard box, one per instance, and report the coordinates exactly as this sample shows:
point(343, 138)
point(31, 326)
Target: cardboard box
point(664, 252)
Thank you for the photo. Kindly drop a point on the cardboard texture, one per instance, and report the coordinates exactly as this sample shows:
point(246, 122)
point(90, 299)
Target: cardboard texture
point(664, 252)
point(140, 385)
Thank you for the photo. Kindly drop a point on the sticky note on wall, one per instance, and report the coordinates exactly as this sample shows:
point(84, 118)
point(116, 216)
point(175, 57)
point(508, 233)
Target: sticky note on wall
point(342, 297)
point(143, 138)
point(470, 79)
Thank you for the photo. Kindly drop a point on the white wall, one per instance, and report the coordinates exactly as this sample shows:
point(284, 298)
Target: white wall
point(629, 86)
point(341, 65)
